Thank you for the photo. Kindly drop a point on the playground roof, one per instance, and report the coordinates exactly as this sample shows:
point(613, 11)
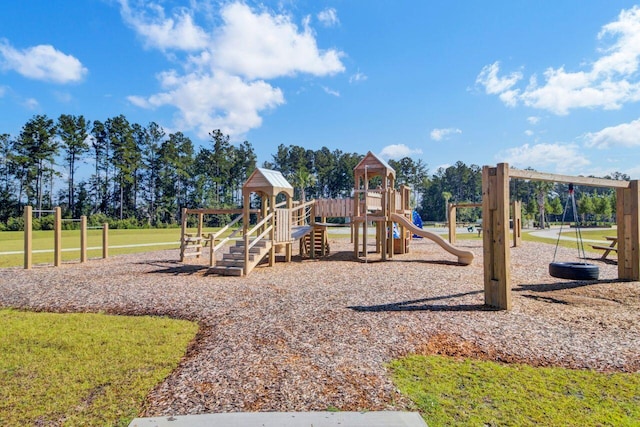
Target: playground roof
point(375, 166)
point(269, 182)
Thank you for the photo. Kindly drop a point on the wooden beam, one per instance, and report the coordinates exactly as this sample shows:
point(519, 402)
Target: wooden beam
point(517, 223)
point(495, 226)
point(467, 205)
point(28, 236)
point(83, 238)
point(452, 217)
point(579, 180)
point(57, 237)
point(628, 221)
point(105, 240)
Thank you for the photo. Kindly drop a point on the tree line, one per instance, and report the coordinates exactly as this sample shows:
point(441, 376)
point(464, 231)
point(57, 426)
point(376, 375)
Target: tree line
point(142, 176)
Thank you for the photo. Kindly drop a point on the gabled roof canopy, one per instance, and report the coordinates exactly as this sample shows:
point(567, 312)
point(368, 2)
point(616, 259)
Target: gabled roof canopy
point(267, 181)
point(375, 166)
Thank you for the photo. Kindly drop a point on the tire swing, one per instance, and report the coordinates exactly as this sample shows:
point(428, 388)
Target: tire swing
point(573, 270)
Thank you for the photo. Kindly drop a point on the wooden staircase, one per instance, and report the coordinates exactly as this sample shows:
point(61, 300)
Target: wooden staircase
point(232, 263)
point(321, 247)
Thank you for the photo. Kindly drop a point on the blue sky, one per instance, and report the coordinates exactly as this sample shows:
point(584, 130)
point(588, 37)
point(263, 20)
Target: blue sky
point(553, 85)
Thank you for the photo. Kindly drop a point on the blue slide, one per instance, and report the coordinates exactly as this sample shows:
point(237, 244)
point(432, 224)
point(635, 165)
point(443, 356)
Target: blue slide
point(417, 221)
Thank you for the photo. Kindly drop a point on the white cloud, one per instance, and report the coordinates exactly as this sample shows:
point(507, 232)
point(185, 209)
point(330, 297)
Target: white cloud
point(31, 103)
point(528, 132)
point(622, 135)
point(610, 81)
point(534, 120)
point(493, 84)
point(634, 172)
point(542, 156)
point(42, 62)
point(262, 45)
point(177, 32)
point(329, 17)
point(357, 77)
point(330, 91)
point(440, 134)
point(398, 151)
point(217, 101)
point(222, 83)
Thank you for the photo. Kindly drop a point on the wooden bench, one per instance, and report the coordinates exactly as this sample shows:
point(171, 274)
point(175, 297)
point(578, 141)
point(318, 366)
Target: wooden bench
point(607, 249)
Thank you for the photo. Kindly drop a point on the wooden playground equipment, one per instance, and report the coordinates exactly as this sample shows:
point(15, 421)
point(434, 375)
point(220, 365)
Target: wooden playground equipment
point(279, 225)
point(57, 236)
point(495, 226)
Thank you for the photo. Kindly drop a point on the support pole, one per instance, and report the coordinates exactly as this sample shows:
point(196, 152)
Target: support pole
point(272, 232)
point(183, 233)
point(628, 220)
point(28, 236)
point(517, 223)
point(57, 237)
point(452, 223)
point(200, 242)
point(83, 238)
point(495, 225)
point(105, 240)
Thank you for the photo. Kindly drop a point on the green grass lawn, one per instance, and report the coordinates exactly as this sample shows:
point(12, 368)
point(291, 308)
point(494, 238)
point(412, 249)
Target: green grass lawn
point(152, 239)
point(452, 392)
point(83, 369)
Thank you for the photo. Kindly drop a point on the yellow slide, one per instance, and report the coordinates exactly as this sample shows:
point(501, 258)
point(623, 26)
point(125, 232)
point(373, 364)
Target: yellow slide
point(464, 257)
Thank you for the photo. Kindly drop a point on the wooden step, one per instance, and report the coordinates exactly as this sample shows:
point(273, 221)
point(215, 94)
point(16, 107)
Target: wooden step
point(240, 255)
point(226, 270)
point(187, 254)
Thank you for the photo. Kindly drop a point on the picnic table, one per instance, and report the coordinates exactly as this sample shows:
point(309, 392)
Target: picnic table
point(608, 249)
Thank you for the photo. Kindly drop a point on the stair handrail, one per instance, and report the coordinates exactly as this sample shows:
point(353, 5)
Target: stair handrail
point(214, 236)
point(253, 230)
point(247, 237)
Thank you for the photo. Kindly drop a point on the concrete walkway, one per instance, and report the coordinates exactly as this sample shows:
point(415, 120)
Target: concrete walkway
point(287, 419)
point(552, 233)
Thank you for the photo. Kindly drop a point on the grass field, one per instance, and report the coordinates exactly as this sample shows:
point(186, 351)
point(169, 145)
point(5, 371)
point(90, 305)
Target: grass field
point(83, 369)
point(120, 242)
point(465, 392)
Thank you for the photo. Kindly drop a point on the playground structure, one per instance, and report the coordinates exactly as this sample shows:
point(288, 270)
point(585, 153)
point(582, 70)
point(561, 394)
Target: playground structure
point(495, 226)
point(57, 236)
point(279, 225)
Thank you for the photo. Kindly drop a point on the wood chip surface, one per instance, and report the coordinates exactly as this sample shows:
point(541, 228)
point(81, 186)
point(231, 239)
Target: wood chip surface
point(317, 334)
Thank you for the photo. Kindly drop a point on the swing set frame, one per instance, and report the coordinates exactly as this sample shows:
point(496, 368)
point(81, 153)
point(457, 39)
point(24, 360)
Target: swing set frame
point(495, 226)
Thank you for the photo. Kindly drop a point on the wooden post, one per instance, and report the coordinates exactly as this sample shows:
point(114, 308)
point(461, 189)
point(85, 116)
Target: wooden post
point(628, 220)
point(28, 236)
point(200, 242)
point(57, 237)
point(517, 223)
point(272, 233)
point(245, 228)
point(289, 246)
point(105, 240)
point(183, 232)
point(83, 238)
point(452, 223)
point(495, 225)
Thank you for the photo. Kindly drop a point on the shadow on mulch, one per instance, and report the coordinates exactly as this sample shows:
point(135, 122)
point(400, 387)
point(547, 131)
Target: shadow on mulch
point(175, 268)
point(560, 286)
point(417, 305)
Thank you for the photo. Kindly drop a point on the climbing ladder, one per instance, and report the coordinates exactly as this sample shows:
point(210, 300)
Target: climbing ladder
point(321, 242)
